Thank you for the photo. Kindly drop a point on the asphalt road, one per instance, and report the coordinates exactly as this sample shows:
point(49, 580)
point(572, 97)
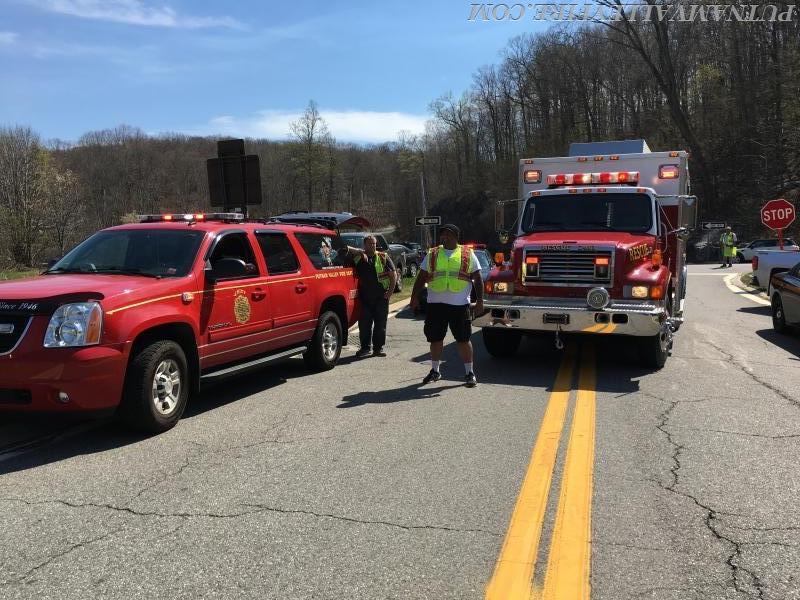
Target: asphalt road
point(360, 483)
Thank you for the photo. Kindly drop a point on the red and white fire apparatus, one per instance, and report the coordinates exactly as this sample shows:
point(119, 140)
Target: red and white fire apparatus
point(599, 249)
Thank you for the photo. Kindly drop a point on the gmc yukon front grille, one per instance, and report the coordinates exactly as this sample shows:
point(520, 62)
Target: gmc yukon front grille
point(17, 326)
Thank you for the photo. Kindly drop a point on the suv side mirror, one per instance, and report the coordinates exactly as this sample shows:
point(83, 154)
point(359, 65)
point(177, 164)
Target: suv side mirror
point(229, 268)
point(52, 261)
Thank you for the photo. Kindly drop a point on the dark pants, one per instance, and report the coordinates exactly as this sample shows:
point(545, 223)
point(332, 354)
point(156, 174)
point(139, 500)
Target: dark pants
point(372, 323)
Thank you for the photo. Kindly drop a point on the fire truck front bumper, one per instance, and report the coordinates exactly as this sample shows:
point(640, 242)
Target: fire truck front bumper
point(620, 317)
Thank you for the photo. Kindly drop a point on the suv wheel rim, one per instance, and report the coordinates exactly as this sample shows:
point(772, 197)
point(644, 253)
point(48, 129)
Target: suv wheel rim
point(412, 270)
point(330, 341)
point(166, 386)
point(778, 312)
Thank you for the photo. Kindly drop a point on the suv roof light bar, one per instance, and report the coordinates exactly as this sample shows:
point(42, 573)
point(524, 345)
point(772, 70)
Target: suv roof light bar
point(190, 217)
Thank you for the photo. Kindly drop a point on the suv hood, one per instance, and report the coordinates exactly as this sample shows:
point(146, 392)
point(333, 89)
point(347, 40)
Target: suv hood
point(43, 294)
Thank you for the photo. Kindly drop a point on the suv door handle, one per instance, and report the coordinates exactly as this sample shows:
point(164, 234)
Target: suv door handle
point(300, 288)
point(258, 294)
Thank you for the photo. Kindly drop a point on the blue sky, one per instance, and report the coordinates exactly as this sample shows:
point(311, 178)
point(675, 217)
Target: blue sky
point(238, 68)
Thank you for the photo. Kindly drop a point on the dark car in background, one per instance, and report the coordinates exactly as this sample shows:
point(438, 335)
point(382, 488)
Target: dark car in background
point(356, 240)
point(410, 258)
point(785, 299)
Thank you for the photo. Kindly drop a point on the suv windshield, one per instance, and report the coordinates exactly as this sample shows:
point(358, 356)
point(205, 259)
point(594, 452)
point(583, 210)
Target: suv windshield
point(147, 252)
point(589, 212)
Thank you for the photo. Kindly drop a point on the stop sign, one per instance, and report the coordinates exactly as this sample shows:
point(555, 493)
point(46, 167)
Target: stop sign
point(777, 214)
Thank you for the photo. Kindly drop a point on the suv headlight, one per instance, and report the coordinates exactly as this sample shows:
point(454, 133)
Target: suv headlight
point(75, 325)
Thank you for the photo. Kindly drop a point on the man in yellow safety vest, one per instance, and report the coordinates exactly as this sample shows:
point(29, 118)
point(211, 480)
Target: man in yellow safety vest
point(450, 270)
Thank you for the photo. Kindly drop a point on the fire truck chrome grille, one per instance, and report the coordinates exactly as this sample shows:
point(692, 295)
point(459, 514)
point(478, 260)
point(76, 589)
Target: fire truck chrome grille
point(17, 326)
point(569, 267)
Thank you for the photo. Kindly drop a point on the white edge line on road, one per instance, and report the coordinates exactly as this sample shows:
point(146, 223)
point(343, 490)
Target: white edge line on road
point(740, 292)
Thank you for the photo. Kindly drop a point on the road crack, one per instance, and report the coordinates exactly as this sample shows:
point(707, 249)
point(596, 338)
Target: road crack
point(711, 516)
point(58, 555)
point(749, 372)
point(371, 522)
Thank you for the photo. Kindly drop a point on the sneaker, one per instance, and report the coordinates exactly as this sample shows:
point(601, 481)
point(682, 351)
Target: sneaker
point(432, 376)
point(362, 352)
point(471, 380)
point(379, 352)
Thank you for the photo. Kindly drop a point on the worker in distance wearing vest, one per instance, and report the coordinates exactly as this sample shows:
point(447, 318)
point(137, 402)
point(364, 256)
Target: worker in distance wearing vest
point(377, 278)
point(450, 271)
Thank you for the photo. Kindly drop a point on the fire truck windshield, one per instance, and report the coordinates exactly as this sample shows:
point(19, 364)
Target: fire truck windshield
point(631, 213)
point(144, 252)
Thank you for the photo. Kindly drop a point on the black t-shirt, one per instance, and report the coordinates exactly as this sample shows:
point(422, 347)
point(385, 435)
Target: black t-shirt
point(369, 286)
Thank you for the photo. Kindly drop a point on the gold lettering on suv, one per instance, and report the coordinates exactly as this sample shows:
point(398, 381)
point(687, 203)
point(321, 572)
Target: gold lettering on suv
point(241, 307)
point(638, 252)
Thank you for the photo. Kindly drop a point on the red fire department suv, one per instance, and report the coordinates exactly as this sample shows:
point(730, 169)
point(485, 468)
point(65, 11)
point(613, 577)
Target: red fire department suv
point(138, 316)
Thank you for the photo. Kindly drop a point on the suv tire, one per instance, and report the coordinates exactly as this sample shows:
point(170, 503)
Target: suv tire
point(413, 270)
point(501, 343)
point(326, 345)
point(151, 402)
point(778, 316)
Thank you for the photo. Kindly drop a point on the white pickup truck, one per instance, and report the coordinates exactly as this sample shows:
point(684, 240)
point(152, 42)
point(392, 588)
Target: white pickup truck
point(768, 262)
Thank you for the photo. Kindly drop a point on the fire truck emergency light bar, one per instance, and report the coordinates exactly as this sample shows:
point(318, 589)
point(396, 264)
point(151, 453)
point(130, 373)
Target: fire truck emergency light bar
point(588, 178)
point(191, 217)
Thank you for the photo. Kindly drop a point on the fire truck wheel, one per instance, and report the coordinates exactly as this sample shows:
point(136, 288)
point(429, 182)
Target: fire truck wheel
point(500, 343)
point(156, 387)
point(655, 350)
point(326, 345)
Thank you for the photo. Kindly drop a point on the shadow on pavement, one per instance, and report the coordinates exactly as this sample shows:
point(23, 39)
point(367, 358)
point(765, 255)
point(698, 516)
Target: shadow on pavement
point(786, 341)
point(39, 440)
point(415, 391)
point(756, 310)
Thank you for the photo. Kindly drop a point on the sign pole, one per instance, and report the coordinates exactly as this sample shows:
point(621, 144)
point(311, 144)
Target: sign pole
point(780, 237)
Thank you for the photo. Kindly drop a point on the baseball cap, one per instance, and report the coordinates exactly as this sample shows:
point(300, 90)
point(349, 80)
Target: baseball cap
point(452, 229)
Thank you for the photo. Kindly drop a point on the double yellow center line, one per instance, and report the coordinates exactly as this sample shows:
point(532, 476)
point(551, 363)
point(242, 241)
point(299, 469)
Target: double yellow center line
point(569, 557)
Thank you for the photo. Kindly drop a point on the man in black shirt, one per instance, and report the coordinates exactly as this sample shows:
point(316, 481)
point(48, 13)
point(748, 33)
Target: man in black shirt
point(377, 278)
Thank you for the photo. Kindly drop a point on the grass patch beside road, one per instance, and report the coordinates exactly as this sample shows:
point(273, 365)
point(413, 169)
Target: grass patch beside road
point(747, 279)
point(408, 285)
point(8, 275)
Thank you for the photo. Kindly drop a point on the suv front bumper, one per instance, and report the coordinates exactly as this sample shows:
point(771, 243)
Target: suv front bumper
point(620, 317)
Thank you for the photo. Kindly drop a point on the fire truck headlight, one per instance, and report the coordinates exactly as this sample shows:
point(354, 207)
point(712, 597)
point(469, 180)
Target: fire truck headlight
point(75, 325)
point(639, 291)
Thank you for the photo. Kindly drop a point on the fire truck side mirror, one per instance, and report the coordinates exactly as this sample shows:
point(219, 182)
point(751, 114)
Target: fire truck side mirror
point(681, 232)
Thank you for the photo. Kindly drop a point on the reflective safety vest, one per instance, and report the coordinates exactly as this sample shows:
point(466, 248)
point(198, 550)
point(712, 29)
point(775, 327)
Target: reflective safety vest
point(381, 260)
point(449, 274)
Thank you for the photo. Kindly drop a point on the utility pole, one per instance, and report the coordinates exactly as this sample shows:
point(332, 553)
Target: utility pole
point(425, 230)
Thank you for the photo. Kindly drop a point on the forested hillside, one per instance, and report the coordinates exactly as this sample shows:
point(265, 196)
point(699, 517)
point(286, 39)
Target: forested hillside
point(728, 92)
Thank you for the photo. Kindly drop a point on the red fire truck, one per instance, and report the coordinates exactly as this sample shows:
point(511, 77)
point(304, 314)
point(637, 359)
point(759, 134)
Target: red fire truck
point(599, 249)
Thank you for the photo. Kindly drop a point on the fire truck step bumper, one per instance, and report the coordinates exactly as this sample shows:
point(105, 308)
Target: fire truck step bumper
point(628, 319)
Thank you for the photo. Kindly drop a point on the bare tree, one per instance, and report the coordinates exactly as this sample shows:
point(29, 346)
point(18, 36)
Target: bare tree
point(309, 131)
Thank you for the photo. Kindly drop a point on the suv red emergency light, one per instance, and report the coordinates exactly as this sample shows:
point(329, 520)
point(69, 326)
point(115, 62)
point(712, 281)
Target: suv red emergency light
point(589, 178)
point(190, 217)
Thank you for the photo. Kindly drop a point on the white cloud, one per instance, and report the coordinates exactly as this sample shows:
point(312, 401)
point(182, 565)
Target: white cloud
point(132, 12)
point(345, 126)
point(8, 37)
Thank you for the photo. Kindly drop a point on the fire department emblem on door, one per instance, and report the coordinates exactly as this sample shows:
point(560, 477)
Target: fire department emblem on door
point(241, 307)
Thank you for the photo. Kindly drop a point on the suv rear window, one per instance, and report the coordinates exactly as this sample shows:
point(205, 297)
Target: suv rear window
point(320, 249)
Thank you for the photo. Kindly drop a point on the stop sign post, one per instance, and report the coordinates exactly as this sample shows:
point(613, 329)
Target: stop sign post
point(778, 215)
